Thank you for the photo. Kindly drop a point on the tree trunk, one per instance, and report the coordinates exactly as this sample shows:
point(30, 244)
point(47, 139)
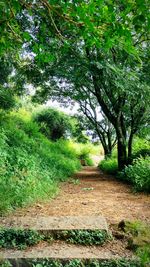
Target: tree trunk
point(130, 148)
point(107, 149)
point(122, 154)
point(107, 152)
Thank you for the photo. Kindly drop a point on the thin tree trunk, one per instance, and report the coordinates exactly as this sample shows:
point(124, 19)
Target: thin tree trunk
point(130, 148)
point(122, 154)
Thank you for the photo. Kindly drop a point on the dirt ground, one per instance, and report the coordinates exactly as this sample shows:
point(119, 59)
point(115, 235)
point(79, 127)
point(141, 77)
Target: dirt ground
point(90, 193)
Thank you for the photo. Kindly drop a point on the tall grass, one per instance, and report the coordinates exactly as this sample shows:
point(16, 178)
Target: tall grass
point(31, 166)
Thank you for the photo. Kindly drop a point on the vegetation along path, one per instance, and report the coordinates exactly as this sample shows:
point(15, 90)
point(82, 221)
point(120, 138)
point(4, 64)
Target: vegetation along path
point(91, 193)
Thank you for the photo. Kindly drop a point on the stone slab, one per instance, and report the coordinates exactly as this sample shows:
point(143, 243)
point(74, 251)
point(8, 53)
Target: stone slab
point(56, 223)
point(61, 250)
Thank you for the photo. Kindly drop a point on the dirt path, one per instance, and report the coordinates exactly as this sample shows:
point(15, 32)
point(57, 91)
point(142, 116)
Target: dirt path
point(91, 193)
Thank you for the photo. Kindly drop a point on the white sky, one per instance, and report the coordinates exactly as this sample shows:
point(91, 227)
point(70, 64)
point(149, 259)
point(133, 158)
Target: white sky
point(68, 110)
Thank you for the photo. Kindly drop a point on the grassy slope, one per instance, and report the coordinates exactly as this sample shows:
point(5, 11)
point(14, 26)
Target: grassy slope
point(31, 166)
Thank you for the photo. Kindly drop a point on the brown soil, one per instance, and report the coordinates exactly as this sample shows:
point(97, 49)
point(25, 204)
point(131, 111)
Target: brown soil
point(94, 193)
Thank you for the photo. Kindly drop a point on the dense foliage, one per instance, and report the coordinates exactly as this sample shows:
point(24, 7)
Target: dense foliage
point(81, 263)
point(30, 165)
point(138, 174)
point(109, 165)
point(84, 237)
point(53, 123)
point(12, 238)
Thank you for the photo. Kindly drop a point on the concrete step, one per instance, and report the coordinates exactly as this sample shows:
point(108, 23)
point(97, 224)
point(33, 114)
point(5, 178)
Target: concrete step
point(62, 251)
point(55, 223)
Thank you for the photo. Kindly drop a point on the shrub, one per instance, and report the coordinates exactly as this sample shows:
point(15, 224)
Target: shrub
point(139, 174)
point(141, 147)
point(7, 100)
point(109, 165)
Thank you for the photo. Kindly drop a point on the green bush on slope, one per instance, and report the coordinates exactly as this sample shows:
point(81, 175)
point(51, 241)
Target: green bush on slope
point(30, 165)
point(139, 174)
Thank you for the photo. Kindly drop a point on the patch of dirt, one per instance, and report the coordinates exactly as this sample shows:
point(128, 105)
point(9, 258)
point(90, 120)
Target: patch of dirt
point(94, 194)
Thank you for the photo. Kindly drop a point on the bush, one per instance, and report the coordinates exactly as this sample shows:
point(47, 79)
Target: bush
point(31, 166)
point(7, 100)
point(141, 147)
point(109, 165)
point(139, 174)
point(53, 124)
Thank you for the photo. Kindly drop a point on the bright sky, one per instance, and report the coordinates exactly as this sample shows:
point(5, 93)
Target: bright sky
point(68, 110)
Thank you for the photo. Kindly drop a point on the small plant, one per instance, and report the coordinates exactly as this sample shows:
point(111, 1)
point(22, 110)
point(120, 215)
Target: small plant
point(75, 181)
point(46, 263)
point(144, 255)
point(88, 188)
point(84, 237)
point(139, 240)
point(5, 264)
point(18, 238)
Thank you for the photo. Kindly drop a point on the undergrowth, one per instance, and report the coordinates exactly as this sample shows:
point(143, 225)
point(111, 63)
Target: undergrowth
point(86, 263)
point(139, 240)
point(138, 172)
point(18, 238)
point(79, 263)
point(109, 165)
point(31, 166)
point(22, 238)
point(84, 237)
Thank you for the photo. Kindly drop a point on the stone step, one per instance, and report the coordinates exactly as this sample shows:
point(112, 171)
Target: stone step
point(60, 250)
point(55, 223)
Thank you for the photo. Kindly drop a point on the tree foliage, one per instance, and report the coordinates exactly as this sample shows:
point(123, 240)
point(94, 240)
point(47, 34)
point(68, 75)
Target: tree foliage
point(96, 47)
point(54, 124)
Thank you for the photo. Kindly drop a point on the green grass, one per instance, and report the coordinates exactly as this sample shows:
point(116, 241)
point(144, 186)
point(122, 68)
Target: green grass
point(139, 240)
point(31, 166)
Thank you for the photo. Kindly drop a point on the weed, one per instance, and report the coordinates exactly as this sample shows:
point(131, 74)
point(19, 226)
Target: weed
point(18, 238)
point(5, 264)
point(88, 188)
point(75, 181)
point(144, 255)
point(87, 263)
point(84, 237)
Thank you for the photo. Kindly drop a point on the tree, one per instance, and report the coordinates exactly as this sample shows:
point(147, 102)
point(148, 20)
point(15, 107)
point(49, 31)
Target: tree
point(53, 124)
point(7, 100)
point(96, 121)
point(112, 80)
point(108, 37)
